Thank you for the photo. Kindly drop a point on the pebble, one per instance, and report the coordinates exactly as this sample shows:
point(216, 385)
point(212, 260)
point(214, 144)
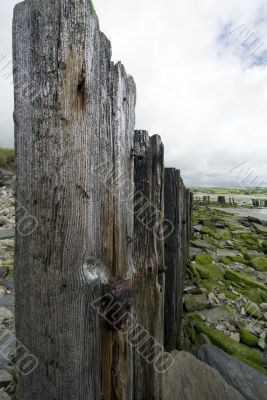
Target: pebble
point(5, 313)
point(235, 337)
point(220, 328)
point(222, 297)
point(262, 343)
point(263, 306)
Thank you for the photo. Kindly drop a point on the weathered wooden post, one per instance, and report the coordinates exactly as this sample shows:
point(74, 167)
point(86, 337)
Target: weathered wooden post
point(173, 259)
point(148, 259)
point(74, 126)
point(178, 210)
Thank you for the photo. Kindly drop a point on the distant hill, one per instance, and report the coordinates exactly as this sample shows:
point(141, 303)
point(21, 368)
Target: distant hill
point(7, 159)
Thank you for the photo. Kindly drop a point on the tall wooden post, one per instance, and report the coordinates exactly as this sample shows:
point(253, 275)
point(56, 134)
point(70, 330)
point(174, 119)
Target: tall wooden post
point(74, 126)
point(148, 259)
point(177, 201)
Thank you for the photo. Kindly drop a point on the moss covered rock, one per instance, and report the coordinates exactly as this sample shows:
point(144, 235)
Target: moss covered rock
point(253, 294)
point(237, 350)
point(203, 259)
point(225, 260)
point(248, 338)
point(196, 302)
point(253, 310)
point(202, 271)
point(259, 263)
point(234, 276)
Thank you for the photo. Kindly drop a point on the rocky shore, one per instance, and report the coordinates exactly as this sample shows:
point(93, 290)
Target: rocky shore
point(225, 297)
point(225, 307)
point(7, 326)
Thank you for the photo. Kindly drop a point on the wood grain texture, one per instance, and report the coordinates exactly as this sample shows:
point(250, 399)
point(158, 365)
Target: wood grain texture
point(177, 201)
point(74, 135)
point(148, 256)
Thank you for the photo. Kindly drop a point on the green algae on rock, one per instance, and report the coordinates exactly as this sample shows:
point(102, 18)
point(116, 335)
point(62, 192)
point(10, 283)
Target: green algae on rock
point(259, 263)
point(237, 277)
point(248, 338)
point(237, 350)
point(253, 310)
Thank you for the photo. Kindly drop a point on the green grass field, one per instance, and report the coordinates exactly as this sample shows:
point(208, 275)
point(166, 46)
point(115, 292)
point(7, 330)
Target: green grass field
point(7, 159)
point(229, 190)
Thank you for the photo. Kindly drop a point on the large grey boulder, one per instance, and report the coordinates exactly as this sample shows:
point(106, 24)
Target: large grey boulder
point(191, 379)
point(249, 382)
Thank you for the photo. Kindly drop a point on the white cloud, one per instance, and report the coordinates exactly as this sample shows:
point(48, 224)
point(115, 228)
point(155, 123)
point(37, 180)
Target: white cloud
point(194, 90)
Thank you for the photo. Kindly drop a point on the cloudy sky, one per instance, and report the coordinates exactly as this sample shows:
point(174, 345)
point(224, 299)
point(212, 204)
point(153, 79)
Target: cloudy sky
point(201, 74)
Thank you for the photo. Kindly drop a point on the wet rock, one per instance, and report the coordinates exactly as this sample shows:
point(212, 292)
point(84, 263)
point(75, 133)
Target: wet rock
point(246, 380)
point(191, 379)
point(254, 220)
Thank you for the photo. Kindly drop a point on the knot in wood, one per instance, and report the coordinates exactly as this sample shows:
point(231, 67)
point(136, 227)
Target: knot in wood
point(120, 301)
point(162, 269)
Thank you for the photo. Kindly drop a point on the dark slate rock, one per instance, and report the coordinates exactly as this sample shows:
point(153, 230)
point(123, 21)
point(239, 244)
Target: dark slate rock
point(250, 383)
point(253, 219)
point(198, 228)
point(194, 250)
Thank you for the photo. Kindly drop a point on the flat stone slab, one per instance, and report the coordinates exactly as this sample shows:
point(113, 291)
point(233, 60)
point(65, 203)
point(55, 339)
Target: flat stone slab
point(216, 314)
point(194, 250)
point(7, 233)
point(202, 244)
point(191, 379)
point(226, 253)
point(246, 380)
point(260, 228)
point(8, 302)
